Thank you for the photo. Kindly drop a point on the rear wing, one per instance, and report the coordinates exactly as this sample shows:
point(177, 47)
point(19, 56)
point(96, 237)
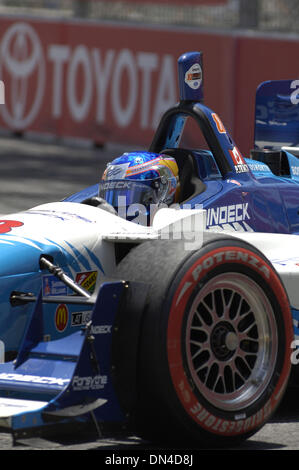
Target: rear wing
point(277, 116)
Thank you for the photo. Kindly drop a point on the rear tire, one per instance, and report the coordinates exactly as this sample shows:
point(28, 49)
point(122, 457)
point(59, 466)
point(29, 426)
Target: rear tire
point(215, 341)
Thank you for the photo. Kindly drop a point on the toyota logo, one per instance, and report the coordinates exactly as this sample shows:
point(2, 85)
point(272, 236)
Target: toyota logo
point(22, 66)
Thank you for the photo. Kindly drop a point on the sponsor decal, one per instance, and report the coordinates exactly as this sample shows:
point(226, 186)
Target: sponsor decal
point(53, 286)
point(101, 329)
point(220, 127)
point(116, 185)
point(218, 425)
point(239, 162)
point(259, 167)
point(23, 65)
point(33, 379)
point(227, 214)
point(223, 256)
point(80, 318)
point(61, 317)
point(96, 382)
point(7, 225)
point(87, 280)
point(116, 171)
point(80, 80)
point(133, 170)
point(193, 76)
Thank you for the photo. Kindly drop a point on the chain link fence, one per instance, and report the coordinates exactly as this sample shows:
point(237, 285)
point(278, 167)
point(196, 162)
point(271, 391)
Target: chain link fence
point(261, 15)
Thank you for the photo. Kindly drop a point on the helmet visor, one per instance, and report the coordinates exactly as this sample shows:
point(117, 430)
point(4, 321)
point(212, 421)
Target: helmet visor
point(124, 192)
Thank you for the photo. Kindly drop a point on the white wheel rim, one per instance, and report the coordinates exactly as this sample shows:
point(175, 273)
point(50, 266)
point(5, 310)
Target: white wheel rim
point(231, 341)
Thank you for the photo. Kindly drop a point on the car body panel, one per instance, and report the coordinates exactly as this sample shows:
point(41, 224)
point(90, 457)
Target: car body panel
point(49, 330)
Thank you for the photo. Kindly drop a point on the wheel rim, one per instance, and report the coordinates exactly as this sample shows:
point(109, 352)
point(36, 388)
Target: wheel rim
point(231, 341)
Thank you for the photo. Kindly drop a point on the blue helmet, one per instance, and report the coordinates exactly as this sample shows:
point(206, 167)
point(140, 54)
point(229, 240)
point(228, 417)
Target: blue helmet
point(134, 182)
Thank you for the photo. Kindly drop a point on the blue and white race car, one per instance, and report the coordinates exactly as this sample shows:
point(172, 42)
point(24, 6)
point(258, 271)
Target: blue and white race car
point(181, 330)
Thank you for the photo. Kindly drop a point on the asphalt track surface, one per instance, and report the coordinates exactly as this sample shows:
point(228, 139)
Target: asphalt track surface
point(34, 172)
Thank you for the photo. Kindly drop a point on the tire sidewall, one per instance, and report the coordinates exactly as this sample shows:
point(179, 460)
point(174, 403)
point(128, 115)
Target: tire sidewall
point(192, 409)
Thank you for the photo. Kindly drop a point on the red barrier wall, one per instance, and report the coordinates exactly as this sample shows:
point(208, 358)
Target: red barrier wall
point(112, 83)
point(101, 82)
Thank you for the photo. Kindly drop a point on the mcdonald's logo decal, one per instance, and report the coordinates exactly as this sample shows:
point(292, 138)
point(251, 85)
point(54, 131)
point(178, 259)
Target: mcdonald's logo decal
point(61, 317)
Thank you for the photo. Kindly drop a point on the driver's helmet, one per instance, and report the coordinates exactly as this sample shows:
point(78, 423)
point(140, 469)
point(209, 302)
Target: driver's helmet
point(135, 182)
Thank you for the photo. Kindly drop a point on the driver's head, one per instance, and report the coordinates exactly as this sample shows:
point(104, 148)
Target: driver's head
point(137, 182)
